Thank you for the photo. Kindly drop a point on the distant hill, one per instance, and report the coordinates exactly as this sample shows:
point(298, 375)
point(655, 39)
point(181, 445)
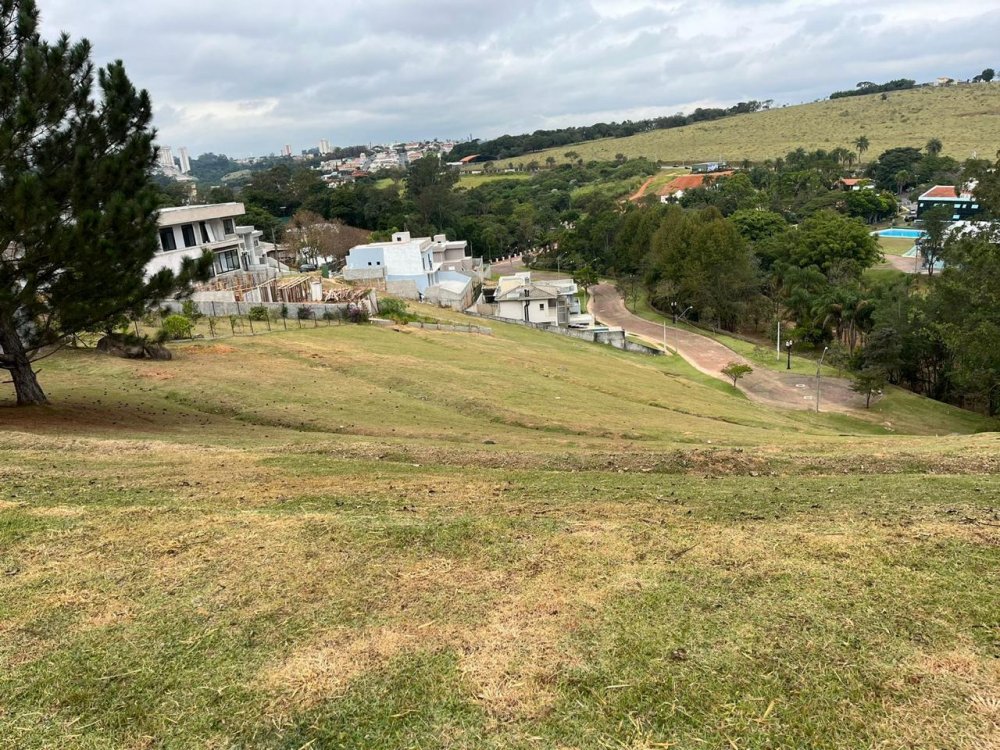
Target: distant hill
point(965, 117)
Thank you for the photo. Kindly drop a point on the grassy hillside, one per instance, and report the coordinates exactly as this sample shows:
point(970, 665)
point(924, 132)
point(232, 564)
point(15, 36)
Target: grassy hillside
point(358, 537)
point(966, 118)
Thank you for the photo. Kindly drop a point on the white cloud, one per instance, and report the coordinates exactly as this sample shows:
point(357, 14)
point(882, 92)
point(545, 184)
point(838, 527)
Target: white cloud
point(250, 76)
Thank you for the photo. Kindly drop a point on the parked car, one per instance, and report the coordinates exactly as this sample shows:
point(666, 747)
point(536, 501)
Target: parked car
point(308, 268)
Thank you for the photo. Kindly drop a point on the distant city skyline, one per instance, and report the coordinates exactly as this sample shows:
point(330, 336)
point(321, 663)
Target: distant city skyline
point(453, 68)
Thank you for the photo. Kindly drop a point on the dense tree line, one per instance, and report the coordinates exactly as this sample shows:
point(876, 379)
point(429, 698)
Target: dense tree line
point(867, 87)
point(510, 146)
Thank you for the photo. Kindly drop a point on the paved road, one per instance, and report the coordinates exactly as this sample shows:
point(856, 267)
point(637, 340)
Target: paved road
point(771, 387)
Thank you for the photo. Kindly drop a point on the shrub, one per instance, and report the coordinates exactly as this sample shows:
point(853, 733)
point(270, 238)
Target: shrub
point(177, 327)
point(284, 311)
point(330, 315)
point(357, 314)
point(391, 307)
point(305, 313)
point(191, 311)
point(258, 313)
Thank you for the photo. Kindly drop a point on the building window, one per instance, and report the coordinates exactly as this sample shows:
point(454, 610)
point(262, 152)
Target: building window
point(975, 205)
point(541, 306)
point(228, 226)
point(167, 240)
point(204, 233)
point(188, 232)
point(227, 261)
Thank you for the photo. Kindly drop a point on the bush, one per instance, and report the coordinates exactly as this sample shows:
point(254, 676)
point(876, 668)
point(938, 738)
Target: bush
point(357, 314)
point(391, 307)
point(176, 327)
point(191, 311)
point(284, 311)
point(305, 313)
point(258, 313)
point(330, 315)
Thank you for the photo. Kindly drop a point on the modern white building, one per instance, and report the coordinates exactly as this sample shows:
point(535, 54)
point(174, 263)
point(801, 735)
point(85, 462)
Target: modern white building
point(185, 159)
point(550, 302)
point(324, 147)
point(165, 158)
point(186, 231)
point(412, 267)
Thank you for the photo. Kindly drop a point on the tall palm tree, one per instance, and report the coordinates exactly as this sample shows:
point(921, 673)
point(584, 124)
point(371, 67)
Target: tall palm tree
point(902, 178)
point(861, 143)
point(933, 147)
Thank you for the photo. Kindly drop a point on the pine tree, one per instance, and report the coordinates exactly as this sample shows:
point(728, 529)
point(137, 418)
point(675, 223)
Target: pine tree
point(77, 204)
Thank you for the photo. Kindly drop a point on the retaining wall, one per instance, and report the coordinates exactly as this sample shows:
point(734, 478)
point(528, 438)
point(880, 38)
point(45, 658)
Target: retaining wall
point(614, 337)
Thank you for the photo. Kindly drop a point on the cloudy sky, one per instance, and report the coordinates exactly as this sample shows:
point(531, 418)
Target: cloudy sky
point(248, 77)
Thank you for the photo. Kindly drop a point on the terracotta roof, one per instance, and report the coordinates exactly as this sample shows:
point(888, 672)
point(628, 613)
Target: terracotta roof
point(851, 181)
point(469, 159)
point(946, 192)
point(691, 181)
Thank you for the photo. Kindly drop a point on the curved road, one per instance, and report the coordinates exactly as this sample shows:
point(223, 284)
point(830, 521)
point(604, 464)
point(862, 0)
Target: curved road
point(772, 387)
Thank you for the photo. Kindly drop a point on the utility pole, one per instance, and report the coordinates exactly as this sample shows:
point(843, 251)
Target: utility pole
point(818, 368)
point(777, 351)
point(677, 330)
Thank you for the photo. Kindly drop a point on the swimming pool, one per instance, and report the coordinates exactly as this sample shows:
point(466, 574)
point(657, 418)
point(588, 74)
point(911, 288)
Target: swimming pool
point(909, 234)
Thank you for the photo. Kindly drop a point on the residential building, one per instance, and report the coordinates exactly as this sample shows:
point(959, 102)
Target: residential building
point(165, 158)
point(186, 231)
point(286, 151)
point(412, 267)
point(853, 184)
point(324, 147)
point(963, 204)
point(185, 159)
point(548, 302)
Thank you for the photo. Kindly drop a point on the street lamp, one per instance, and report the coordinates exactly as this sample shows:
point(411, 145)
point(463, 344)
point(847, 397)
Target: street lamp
point(788, 348)
point(818, 368)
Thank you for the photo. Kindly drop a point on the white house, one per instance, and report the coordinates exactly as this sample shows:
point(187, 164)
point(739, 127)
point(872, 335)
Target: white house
point(413, 267)
point(549, 302)
point(185, 231)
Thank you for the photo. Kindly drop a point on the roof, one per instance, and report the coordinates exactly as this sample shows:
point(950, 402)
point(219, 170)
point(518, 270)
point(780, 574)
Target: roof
point(453, 287)
point(852, 181)
point(469, 159)
point(691, 182)
point(945, 192)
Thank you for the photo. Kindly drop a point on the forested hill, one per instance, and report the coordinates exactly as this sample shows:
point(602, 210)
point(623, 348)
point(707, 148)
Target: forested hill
point(509, 146)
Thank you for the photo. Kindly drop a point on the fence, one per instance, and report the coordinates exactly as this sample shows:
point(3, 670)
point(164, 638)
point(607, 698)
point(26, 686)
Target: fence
point(226, 319)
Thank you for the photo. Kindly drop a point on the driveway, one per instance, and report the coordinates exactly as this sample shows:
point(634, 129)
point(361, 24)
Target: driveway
point(771, 387)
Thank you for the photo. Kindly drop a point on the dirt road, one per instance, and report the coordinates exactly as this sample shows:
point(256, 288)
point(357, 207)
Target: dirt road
point(787, 390)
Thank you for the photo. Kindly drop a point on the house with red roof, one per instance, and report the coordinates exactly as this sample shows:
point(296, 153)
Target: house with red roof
point(963, 203)
point(851, 184)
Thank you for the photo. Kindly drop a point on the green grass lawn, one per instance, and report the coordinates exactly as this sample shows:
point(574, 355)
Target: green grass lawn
point(966, 118)
point(382, 537)
point(475, 180)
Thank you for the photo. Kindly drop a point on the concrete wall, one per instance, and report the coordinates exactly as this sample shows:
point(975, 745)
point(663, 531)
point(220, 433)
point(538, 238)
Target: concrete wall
point(614, 337)
point(403, 288)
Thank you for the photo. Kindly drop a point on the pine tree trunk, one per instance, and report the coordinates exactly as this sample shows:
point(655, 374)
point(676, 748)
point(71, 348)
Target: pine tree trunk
point(16, 361)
